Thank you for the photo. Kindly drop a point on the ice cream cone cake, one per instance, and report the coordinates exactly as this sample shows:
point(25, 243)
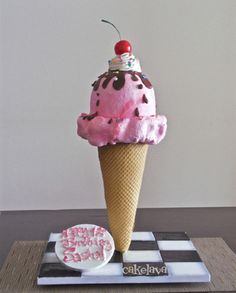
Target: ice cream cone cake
point(122, 168)
point(122, 122)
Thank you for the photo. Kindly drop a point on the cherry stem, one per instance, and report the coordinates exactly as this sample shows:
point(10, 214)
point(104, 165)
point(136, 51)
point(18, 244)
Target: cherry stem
point(106, 21)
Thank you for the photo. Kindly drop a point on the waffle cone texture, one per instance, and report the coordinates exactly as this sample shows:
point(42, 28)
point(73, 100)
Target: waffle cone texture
point(122, 167)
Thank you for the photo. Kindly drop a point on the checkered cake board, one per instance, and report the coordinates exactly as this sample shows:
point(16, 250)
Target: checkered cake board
point(174, 250)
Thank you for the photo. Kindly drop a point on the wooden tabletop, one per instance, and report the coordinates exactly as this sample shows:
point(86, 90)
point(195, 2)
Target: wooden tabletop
point(20, 270)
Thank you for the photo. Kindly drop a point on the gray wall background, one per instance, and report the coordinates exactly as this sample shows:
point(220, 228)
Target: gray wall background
point(51, 52)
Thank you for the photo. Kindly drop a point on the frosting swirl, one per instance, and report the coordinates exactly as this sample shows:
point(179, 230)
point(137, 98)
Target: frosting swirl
point(125, 62)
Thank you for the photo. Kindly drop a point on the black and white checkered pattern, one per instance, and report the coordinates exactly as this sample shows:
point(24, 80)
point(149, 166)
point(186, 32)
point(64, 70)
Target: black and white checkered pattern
point(174, 249)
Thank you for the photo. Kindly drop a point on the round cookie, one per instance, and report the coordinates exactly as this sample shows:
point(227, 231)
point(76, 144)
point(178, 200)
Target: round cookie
point(85, 247)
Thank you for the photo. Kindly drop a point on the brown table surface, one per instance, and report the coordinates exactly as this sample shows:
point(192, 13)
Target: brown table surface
point(197, 222)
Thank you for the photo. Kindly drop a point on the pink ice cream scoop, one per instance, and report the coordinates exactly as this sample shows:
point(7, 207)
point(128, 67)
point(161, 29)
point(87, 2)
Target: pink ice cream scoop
point(122, 107)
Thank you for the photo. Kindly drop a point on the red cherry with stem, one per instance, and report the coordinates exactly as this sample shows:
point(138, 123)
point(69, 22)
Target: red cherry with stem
point(122, 47)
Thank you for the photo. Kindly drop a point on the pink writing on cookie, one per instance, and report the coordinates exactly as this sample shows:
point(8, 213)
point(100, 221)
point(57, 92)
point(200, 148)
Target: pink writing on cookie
point(93, 241)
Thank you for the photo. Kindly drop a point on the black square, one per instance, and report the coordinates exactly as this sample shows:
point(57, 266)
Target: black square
point(50, 247)
point(57, 270)
point(143, 245)
point(117, 257)
point(170, 236)
point(180, 256)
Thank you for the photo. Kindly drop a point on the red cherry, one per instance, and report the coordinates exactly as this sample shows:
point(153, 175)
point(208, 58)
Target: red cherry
point(122, 47)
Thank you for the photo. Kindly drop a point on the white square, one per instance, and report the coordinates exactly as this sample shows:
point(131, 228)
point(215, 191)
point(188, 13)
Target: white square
point(54, 237)
point(110, 269)
point(50, 257)
point(186, 269)
point(145, 236)
point(142, 256)
point(176, 245)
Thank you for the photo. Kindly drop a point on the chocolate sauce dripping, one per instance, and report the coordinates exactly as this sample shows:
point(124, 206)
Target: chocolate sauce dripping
point(119, 82)
point(107, 80)
point(97, 83)
point(102, 75)
point(145, 81)
point(143, 78)
point(134, 77)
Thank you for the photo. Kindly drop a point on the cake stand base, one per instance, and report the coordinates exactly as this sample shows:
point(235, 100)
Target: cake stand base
point(153, 257)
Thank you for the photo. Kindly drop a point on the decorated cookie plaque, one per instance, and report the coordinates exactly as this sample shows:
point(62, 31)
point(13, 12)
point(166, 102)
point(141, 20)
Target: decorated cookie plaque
point(85, 247)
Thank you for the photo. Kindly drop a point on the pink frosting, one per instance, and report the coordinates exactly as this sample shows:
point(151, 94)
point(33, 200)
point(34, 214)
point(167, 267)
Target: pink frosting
point(127, 115)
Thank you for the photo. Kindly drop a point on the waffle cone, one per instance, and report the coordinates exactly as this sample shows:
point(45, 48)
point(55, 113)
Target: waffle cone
point(122, 168)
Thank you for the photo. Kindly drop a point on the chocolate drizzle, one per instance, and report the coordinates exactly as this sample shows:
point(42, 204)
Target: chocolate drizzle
point(119, 79)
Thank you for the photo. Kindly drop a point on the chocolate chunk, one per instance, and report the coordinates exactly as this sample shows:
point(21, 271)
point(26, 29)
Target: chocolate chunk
point(109, 122)
point(90, 117)
point(98, 94)
point(136, 112)
point(140, 86)
point(145, 99)
point(93, 84)
point(97, 103)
